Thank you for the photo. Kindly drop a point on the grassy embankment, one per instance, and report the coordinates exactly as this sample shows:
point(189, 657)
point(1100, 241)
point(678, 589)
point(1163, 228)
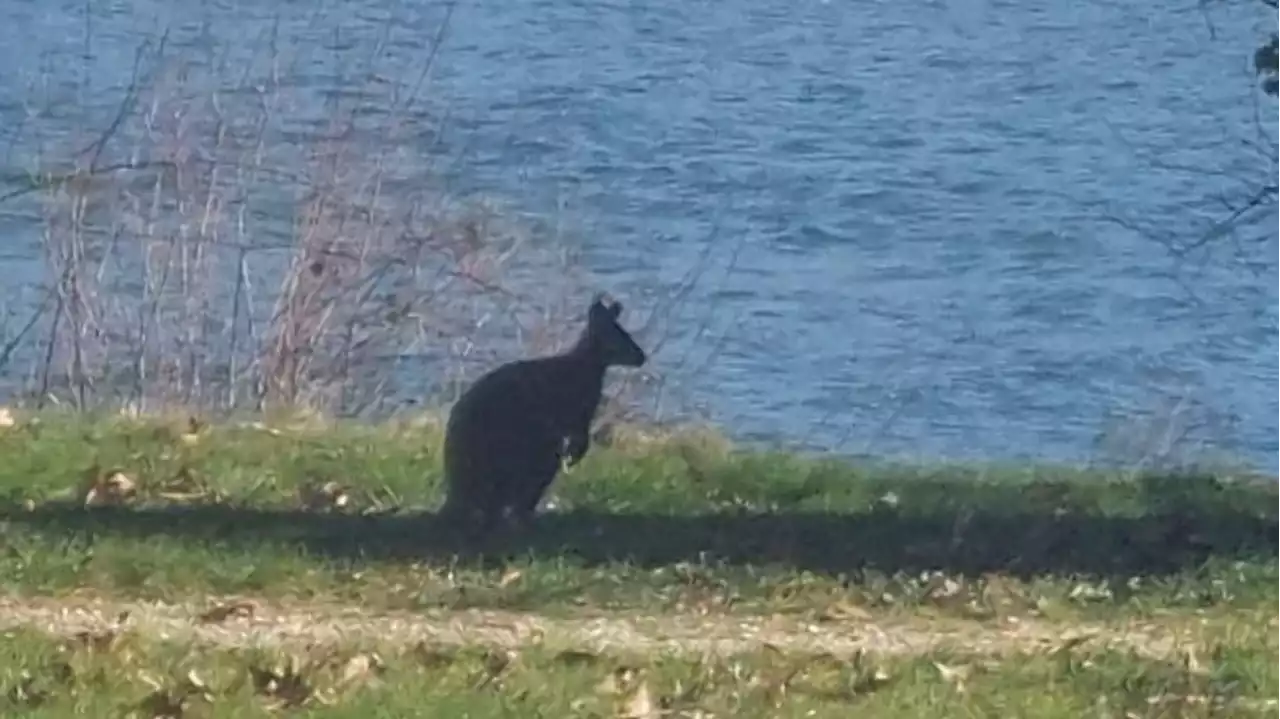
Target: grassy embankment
point(704, 579)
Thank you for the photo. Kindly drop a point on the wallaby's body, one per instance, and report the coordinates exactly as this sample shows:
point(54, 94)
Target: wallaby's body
point(509, 432)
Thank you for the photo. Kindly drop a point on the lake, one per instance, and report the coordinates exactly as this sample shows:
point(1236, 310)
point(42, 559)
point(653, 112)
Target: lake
point(928, 230)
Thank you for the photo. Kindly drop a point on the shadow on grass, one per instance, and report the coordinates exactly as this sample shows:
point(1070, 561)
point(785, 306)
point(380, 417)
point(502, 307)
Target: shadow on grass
point(971, 542)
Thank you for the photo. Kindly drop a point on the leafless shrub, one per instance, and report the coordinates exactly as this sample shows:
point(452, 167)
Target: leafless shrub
point(230, 244)
point(1170, 428)
point(217, 246)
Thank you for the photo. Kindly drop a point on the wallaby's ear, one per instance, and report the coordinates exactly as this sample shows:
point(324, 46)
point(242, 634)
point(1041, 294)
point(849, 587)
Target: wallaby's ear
point(605, 301)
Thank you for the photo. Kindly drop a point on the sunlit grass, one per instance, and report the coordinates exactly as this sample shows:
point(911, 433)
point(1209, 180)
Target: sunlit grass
point(105, 674)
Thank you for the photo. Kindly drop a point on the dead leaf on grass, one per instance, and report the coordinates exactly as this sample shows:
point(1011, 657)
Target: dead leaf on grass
point(103, 641)
point(108, 488)
point(262, 427)
point(1085, 592)
point(943, 590)
point(285, 686)
point(363, 668)
point(325, 497)
point(7, 419)
point(185, 486)
point(619, 681)
point(1064, 649)
point(870, 681)
point(509, 577)
point(194, 683)
point(223, 612)
point(171, 702)
point(843, 611)
point(26, 692)
point(955, 676)
point(640, 705)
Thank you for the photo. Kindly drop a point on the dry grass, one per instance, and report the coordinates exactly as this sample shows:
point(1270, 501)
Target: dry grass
point(139, 674)
point(247, 622)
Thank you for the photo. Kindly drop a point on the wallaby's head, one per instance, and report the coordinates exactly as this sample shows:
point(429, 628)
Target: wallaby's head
point(605, 339)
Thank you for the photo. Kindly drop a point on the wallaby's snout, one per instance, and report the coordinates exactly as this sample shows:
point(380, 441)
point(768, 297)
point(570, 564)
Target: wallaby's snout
point(614, 343)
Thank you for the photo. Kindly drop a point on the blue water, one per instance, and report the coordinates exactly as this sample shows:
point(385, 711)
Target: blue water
point(912, 207)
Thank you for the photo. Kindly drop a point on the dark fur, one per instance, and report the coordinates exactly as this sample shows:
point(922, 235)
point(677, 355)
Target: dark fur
point(508, 433)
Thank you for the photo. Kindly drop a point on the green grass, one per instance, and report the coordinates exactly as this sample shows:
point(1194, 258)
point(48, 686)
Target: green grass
point(679, 524)
point(110, 675)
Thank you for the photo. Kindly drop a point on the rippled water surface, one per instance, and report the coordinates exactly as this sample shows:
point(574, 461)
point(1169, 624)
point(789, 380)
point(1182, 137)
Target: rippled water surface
point(915, 195)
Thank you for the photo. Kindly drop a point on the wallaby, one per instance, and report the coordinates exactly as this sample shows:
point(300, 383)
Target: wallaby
point(509, 432)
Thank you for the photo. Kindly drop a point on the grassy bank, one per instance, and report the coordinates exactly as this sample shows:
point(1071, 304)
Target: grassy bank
point(344, 511)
